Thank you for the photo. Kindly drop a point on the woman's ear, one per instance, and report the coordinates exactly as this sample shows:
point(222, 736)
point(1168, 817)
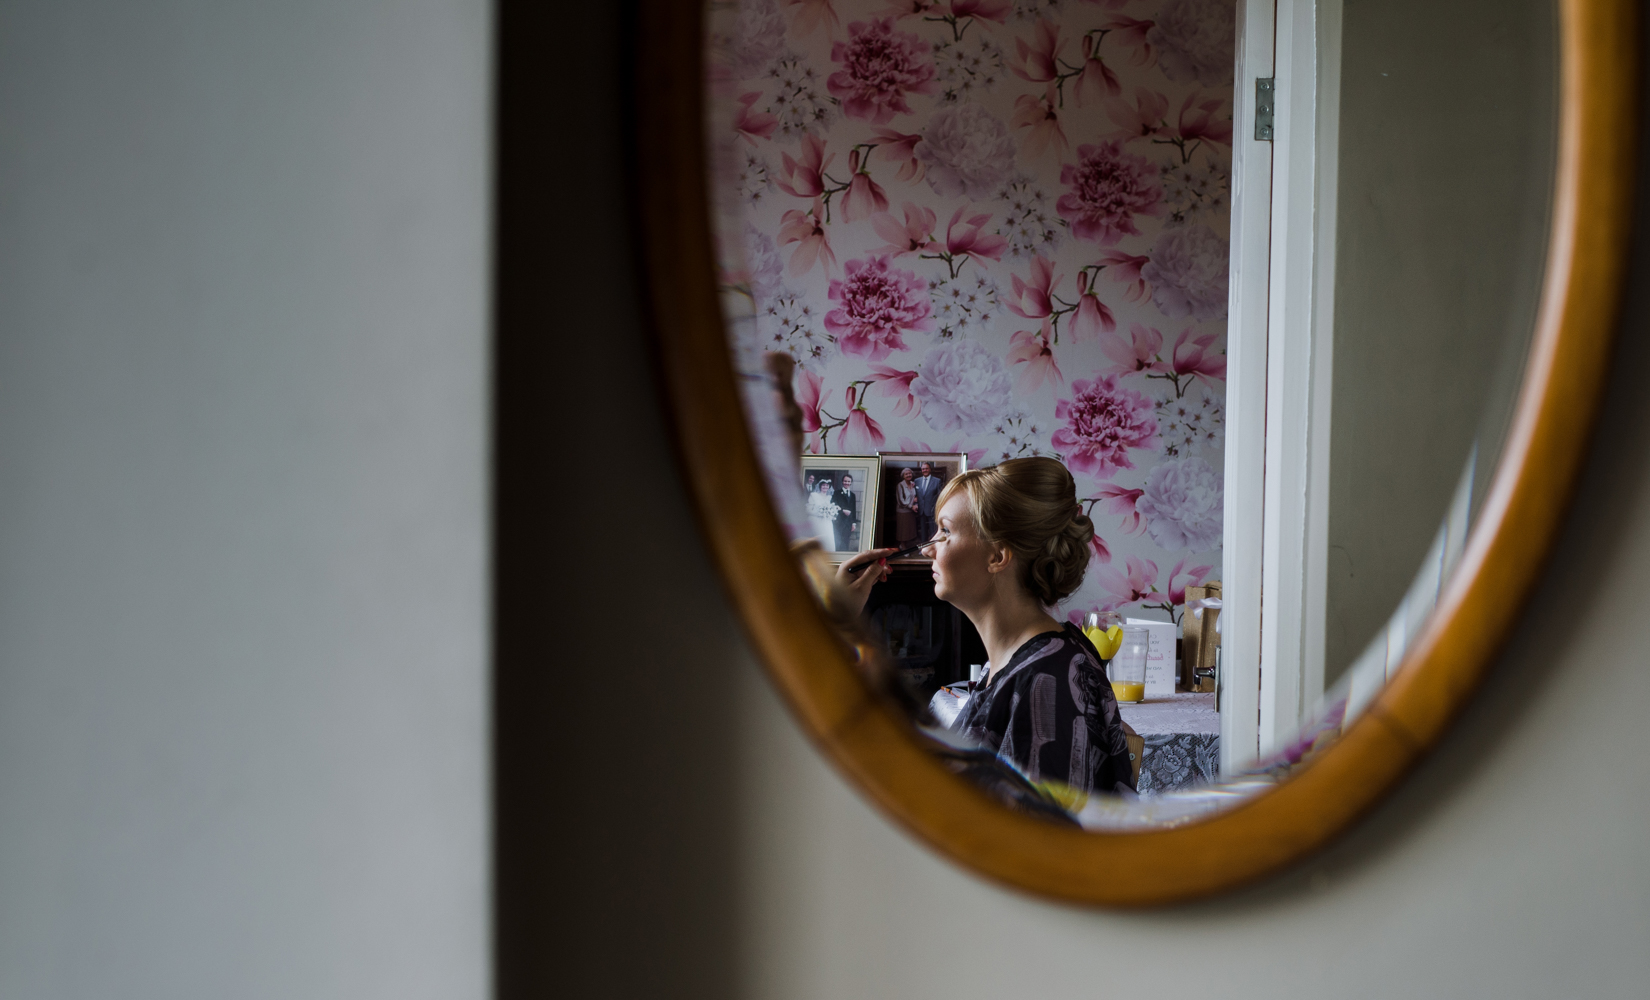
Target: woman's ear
point(1000, 558)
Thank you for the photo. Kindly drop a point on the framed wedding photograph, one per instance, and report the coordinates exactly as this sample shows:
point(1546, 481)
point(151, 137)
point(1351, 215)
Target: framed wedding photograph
point(911, 484)
point(840, 495)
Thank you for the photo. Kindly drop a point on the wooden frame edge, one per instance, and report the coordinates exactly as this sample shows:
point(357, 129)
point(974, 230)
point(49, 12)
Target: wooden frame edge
point(879, 752)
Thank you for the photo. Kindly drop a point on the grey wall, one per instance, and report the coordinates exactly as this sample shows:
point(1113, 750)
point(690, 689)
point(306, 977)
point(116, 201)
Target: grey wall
point(242, 500)
point(1446, 153)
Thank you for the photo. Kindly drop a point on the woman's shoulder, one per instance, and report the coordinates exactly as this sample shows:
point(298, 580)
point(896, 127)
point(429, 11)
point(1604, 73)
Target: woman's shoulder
point(1051, 652)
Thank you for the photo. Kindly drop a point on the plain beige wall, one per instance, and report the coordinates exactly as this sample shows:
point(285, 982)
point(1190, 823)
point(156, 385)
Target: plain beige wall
point(1446, 156)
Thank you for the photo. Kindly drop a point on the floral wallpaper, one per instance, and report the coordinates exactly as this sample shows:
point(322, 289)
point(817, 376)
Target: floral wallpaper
point(996, 227)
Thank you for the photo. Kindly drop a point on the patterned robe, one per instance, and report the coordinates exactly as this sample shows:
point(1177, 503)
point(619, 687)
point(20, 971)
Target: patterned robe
point(1052, 714)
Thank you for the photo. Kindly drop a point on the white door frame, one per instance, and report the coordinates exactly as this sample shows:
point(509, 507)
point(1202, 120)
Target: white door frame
point(1280, 367)
point(1245, 396)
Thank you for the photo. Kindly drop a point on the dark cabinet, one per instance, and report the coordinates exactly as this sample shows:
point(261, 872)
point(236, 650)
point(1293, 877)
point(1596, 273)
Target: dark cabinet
point(931, 642)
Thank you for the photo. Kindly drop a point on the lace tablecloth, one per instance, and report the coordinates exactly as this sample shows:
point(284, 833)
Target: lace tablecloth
point(1182, 734)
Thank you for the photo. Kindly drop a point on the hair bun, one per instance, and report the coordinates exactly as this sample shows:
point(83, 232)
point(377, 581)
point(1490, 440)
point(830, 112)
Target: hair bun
point(1057, 571)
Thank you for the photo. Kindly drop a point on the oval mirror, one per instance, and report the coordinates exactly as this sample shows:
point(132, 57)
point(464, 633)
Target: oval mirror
point(1234, 361)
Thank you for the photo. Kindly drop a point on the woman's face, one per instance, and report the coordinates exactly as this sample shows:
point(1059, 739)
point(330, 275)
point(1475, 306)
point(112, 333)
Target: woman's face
point(907, 475)
point(824, 486)
point(960, 556)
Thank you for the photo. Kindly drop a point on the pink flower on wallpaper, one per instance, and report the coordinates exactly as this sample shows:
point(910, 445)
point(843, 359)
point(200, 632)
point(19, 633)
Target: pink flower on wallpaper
point(1120, 502)
point(758, 36)
point(897, 147)
point(1188, 272)
point(1031, 298)
point(804, 229)
point(1103, 421)
point(1139, 352)
point(877, 303)
point(753, 125)
point(1092, 317)
point(1038, 61)
point(808, 386)
point(1143, 119)
point(969, 240)
point(1042, 124)
point(864, 197)
point(962, 387)
point(915, 235)
point(1193, 356)
point(810, 14)
point(1033, 351)
point(1139, 583)
point(1195, 40)
point(968, 153)
point(985, 10)
point(1126, 268)
point(804, 177)
point(1199, 122)
point(1134, 34)
point(860, 433)
point(1108, 189)
point(1182, 577)
point(896, 384)
point(928, 131)
point(1183, 503)
point(879, 67)
point(1096, 82)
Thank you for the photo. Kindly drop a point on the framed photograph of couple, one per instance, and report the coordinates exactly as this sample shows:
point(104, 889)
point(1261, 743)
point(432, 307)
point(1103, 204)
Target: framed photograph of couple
point(839, 493)
point(911, 485)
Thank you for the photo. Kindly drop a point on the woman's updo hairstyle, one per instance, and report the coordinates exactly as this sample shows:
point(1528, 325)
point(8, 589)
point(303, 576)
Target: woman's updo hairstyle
point(1030, 505)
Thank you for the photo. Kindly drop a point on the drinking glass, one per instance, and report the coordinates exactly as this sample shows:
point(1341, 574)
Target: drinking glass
point(1101, 620)
point(1127, 670)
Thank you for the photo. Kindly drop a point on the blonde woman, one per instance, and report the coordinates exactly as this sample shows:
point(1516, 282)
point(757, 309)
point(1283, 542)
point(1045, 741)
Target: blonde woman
point(1011, 543)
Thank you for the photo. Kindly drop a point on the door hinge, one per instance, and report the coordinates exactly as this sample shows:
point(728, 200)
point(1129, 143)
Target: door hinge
point(1263, 108)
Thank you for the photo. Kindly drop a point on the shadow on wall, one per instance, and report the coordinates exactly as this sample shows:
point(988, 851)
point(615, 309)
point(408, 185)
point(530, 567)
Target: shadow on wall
point(615, 653)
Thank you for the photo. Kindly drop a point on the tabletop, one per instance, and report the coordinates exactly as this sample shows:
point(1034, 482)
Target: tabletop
point(1182, 734)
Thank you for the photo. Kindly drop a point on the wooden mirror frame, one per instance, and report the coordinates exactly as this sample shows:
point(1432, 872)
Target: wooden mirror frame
point(879, 751)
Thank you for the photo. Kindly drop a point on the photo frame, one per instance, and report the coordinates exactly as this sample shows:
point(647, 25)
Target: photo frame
point(845, 522)
point(899, 526)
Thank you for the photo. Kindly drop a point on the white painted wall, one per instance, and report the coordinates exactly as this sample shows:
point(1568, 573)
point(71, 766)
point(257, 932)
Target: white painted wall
point(242, 499)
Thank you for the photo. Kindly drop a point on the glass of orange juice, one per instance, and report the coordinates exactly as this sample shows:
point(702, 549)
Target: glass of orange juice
point(1127, 670)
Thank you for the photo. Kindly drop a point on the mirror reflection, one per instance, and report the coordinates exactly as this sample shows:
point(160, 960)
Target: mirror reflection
point(1130, 437)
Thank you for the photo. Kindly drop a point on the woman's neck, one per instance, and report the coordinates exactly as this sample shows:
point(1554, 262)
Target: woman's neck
point(1006, 624)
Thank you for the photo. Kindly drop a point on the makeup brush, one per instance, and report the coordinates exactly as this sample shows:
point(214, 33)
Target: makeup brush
point(913, 550)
